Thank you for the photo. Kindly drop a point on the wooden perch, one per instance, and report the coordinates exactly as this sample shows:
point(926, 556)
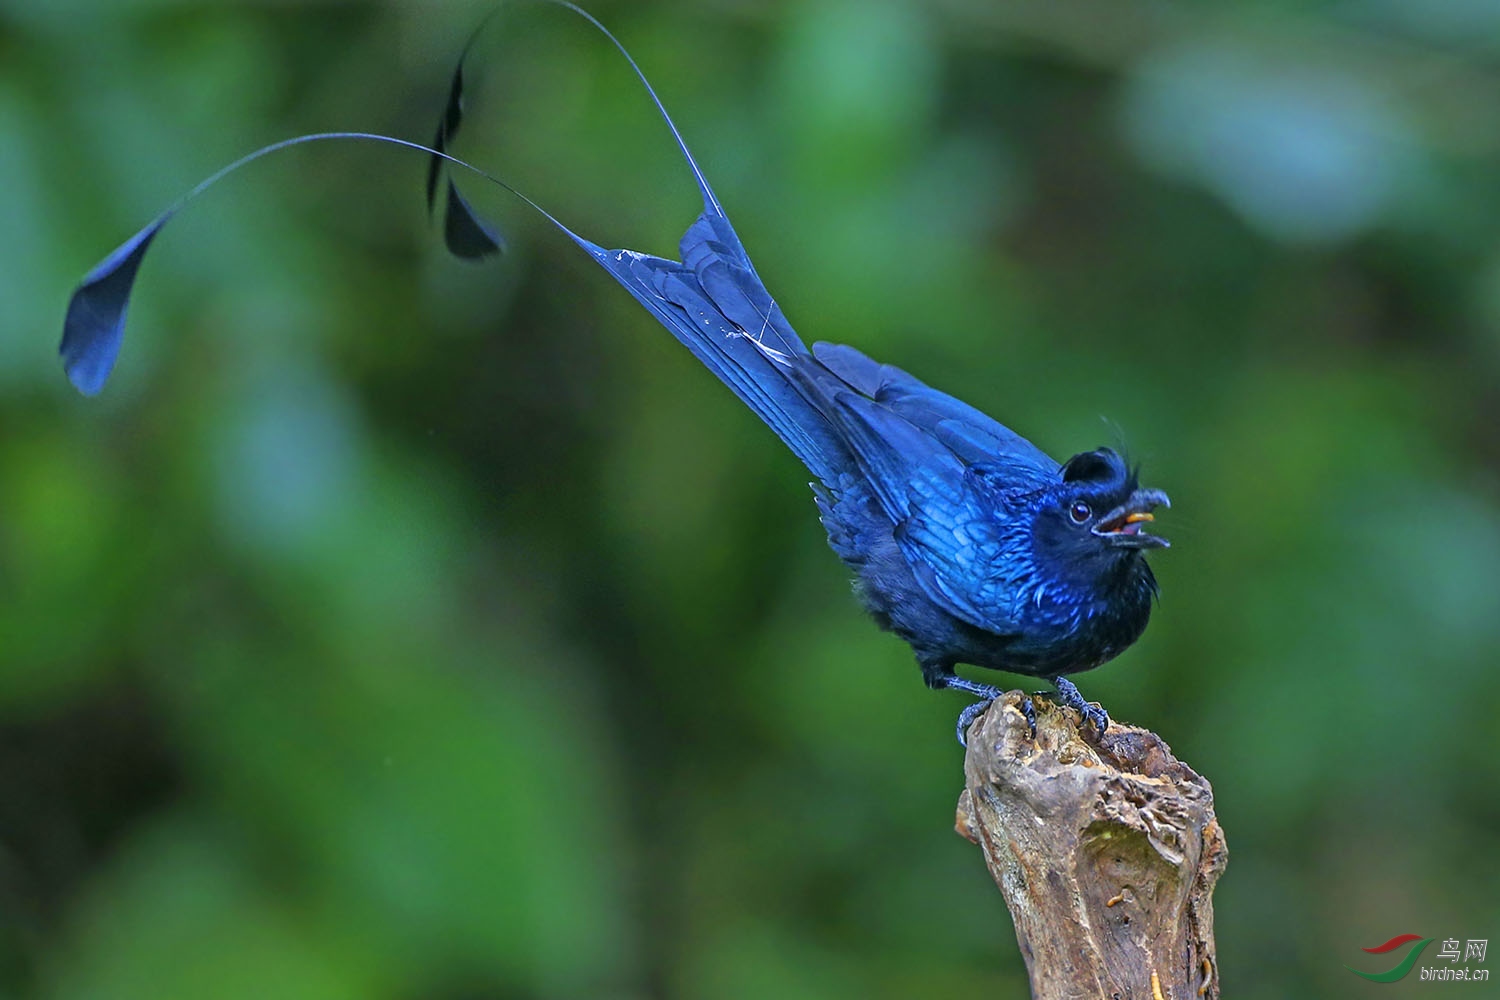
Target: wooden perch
point(1106, 851)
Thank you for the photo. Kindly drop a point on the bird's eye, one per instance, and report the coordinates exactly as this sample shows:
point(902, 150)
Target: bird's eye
point(1079, 512)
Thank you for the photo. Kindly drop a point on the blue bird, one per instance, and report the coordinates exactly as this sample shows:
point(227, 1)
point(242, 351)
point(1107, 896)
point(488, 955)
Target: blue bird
point(965, 539)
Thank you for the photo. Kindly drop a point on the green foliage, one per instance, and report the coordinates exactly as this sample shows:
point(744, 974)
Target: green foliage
point(398, 628)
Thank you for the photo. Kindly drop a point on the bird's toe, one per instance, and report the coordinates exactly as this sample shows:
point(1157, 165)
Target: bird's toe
point(1029, 710)
point(966, 719)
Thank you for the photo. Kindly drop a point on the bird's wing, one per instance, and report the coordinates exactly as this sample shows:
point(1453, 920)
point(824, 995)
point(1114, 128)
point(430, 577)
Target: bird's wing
point(932, 463)
point(958, 555)
point(972, 435)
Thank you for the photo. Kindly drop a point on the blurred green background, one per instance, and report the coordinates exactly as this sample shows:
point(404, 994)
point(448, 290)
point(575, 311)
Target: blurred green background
point(398, 628)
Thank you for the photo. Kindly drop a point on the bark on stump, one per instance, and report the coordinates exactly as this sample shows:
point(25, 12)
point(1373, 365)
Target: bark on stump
point(1106, 851)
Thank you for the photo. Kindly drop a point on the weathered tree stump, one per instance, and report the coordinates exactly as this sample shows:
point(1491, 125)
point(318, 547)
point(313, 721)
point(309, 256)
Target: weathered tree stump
point(1106, 851)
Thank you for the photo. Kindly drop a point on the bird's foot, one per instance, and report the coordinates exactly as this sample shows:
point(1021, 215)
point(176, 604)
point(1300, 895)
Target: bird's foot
point(987, 694)
point(1069, 695)
point(967, 716)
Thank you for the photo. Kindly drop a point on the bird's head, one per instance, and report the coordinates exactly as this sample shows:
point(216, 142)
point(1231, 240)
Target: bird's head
point(1098, 512)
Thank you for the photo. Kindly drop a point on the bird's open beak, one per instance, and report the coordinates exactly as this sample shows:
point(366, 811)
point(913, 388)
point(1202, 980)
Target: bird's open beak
point(1123, 525)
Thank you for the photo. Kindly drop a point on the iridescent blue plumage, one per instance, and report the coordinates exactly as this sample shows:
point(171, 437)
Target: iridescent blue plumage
point(966, 540)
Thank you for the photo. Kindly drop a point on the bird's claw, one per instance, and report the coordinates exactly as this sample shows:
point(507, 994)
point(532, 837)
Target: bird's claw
point(966, 719)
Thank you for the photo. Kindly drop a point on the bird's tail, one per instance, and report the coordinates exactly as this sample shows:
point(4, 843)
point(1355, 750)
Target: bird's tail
point(711, 300)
